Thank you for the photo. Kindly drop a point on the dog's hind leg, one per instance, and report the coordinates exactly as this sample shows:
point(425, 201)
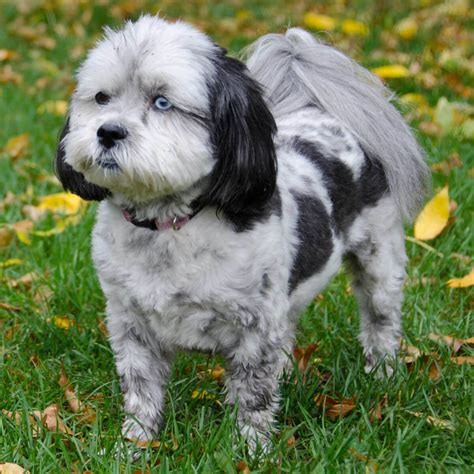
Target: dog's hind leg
point(377, 262)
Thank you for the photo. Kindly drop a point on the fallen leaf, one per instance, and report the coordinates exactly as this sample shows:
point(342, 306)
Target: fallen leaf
point(17, 147)
point(7, 55)
point(463, 282)
point(22, 230)
point(6, 236)
point(7, 74)
point(453, 343)
point(64, 203)
point(103, 328)
point(412, 352)
point(33, 212)
point(376, 412)
point(434, 217)
point(335, 408)
point(11, 262)
point(463, 360)
point(291, 441)
point(407, 28)
point(49, 418)
point(42, 296)
point(393, 71)
point(55, 107)
point(154, 444)
point(303, 356)
point(23, 282)
point(62, 322)
point(446, 166)
point(242, 467)
point(9, 307)
point(433, 421)
point(319, 22)
point(353, 27)
point(203, 394)
point(87, 413)
point(10, 468)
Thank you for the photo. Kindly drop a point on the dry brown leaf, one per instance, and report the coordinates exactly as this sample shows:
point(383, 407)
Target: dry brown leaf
point(376, 412)
point(335, 408)
point(7, 55)
point(446, 166)
point(24, 282)
point(6, 236)
point(8, 200)
point(49, 418)
point(7, 74)
point(431, 420)
point(9, 307)
point(291, 441)
point(463, 360)
point(452, 342)
point(88, 415)
point(242, 467)
point(10, 468)
point(103, 327)
point(412, 352)
point(303, 355)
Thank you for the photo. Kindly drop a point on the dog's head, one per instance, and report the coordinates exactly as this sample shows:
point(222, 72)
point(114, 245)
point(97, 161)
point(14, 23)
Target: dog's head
point(159, 108)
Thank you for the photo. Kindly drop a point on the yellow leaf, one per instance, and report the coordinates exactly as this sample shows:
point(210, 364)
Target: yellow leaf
point(11, 262)
point(353, 27)
point(62, 322)
point(23, 237)
point(431, 420)
point(319, 22)
point(407, 28)
point(65, 203)
point(203, 394)
point(55, 107)
point(434, 217)
point(17, 147)
point(392, 71)
point(463, 282)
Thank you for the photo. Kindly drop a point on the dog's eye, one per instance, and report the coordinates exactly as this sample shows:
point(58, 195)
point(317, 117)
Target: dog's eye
point(102, 98)
point(162, 103)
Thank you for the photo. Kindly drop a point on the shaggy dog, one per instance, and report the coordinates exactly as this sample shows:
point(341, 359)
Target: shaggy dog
point(230, 195)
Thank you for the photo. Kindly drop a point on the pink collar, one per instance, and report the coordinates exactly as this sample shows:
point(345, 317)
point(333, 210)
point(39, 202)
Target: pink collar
point(154, 224)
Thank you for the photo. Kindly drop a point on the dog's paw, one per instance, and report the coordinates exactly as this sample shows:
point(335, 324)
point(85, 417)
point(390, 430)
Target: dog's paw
point(135, 431)
point(381, 368)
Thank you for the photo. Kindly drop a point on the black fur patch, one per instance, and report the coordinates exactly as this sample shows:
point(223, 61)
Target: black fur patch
point(338, 179)
point(244, 177)
point(348, 197)
point(315, 239)
point(71, 179)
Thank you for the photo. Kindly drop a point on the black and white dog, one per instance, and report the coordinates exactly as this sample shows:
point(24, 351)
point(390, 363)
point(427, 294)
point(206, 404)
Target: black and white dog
point(230, 196)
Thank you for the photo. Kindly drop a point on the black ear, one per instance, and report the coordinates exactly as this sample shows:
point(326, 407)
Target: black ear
point(244, 176)
point(71, 179)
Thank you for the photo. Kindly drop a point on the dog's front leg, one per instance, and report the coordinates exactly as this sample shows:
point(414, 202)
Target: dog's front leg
point(252, 384)
point(143, 366)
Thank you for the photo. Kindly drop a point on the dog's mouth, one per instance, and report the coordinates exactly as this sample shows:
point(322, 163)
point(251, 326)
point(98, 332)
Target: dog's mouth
point(108, 162)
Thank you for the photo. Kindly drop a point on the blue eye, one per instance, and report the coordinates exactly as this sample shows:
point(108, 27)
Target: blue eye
point(162, 103)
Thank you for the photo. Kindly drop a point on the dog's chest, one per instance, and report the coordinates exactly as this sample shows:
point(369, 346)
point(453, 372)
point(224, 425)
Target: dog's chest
point(194, 295)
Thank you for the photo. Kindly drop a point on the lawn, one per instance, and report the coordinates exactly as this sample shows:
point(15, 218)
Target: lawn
point(52, 309)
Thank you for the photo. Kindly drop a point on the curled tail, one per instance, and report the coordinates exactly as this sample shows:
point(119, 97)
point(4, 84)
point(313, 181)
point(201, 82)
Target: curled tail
point(296, 70)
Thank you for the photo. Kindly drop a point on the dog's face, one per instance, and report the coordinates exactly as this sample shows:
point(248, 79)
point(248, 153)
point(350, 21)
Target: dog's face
point(158, 107)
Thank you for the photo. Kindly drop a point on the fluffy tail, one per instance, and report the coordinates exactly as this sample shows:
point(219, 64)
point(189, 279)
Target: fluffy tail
point(296, 70)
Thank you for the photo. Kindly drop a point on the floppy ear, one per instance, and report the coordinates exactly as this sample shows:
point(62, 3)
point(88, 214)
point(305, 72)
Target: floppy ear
point(244, 175)
point(73, 180)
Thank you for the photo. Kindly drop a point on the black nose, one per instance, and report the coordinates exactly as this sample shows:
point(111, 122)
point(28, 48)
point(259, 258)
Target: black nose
point(110, 133)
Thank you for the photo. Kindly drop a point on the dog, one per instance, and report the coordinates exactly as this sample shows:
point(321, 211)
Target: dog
point(230, 195)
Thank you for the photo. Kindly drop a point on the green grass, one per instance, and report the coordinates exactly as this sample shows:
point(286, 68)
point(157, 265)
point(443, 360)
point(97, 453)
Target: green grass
point(197, 434)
